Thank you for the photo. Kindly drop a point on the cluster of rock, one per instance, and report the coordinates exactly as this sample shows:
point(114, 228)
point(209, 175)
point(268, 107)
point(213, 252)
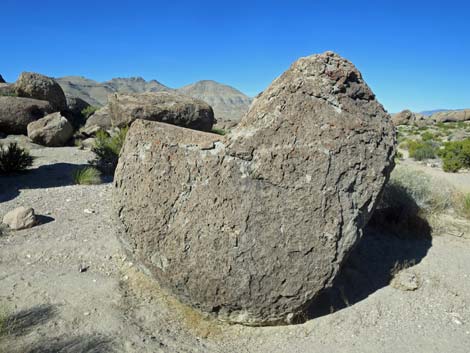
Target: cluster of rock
point(252, 226)
point(407, 117)
point(37, 106)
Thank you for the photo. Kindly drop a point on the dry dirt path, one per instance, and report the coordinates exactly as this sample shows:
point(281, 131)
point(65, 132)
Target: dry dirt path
point(113, 307)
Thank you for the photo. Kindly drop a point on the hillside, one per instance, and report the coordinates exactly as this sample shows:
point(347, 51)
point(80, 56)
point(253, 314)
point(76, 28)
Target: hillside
point(229, 104)
point(96, 93)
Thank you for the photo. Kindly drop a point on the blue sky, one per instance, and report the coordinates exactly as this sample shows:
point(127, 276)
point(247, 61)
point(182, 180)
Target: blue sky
point(414, 54)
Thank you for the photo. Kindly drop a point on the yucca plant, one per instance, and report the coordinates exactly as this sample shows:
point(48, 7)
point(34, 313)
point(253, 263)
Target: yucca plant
point(14, 159)
point(87, 176)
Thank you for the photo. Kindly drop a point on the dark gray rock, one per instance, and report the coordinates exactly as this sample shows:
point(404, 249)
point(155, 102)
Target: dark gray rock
point(166, 107)
point(37, 86)
point(2, 80)
point(252, 226)
point(16, 113)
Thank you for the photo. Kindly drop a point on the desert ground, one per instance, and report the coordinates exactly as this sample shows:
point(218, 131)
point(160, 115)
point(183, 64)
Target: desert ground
point(68, 286)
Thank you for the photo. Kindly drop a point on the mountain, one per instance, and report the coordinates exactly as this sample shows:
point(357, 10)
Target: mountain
point(431, 112)
point(229, 104)
point(96, 93)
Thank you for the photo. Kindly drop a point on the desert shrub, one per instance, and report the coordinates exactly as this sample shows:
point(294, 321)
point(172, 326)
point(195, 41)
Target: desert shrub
point(455, 155)
point(420, 150)
point(87, 176)
point(14, 158)
point(88, 111)
point(218, 131)
point(462, 204)
point(107, 148)
point(427, 136)
point(410, 201)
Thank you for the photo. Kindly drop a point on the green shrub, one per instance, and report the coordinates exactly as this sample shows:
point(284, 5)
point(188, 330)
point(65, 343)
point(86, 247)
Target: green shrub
point(87, 176)
point(455, 155)
point(218, 131)
point(107, 148)
point(14, 159)
point(427, 136)
point(422, 150)
point(88, 111)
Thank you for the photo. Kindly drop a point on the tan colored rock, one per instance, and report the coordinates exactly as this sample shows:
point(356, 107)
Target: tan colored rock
point(167, 107)
point(20, 218)
point(101, 118)
point(452, 116)
point(53, 130)
point(37, 86)
point(252, 226)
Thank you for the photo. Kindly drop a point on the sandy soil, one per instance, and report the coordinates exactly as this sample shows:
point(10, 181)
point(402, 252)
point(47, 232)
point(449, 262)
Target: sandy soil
point(70, 287)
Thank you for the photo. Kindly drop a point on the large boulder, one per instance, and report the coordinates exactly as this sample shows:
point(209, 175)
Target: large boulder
point(407, 117)
point(167, 107)
point(16, 113)
point(452, 116)
point(37, 86)
point(53, 130)
point(253, 225)
point(100, 118)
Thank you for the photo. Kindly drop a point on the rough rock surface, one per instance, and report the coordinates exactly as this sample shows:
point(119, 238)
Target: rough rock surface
point(37, 86)
point(252, 226)
point(76, 105)
point(20, 218)
point(166, 107)
point(16, 113)
point(100, 118)
point(53, 130)
point(452, 116)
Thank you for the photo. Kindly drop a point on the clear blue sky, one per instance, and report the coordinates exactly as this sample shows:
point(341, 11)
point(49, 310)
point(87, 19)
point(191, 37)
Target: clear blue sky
point(414, 54)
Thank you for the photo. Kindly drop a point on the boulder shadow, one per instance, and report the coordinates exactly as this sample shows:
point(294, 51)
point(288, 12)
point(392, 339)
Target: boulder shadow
point(79, 344)
point(24, 321)
point(44, 176)
point(383, 249)
point(41, 220)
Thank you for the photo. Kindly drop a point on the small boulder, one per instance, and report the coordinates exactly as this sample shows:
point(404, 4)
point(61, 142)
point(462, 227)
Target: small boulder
point(100, 118)
point(53, 130)
point(37, 86)
point(20, 218)
point(16, 113)
point(166, 107)
point(406, 280)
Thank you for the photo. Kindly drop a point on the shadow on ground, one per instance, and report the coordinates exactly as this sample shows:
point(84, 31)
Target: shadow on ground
point(45, 176)
point(385, 246)
point(26, 321)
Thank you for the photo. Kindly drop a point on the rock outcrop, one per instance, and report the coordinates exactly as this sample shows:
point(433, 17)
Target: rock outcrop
point(2, 80)
point(252, 226)
point(166, 107)
point(407, 117)
point(37, 86)
point(452, 116)
point(100, 118)
point(20, 218)
point(16, 113)
point(53, 130)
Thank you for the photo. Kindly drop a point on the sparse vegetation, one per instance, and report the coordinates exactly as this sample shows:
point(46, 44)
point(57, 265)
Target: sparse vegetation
point(422, 150)
point(88, 111)
point(107, 148)
point(455, 155)
point(218, 131)
point(87, 176)
point(462, 205)
point(14, 159)
point(8, 94)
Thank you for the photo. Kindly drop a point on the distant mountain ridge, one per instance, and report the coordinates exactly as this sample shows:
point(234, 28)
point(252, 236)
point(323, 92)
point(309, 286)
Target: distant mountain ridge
point(229, 104)
point(431, 112)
